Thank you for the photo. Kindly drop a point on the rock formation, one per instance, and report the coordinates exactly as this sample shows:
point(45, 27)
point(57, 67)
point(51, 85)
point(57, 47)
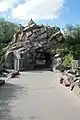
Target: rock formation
point(32, 44)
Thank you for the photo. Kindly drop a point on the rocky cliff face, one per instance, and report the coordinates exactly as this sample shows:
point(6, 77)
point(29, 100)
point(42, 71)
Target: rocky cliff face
point(33, 42)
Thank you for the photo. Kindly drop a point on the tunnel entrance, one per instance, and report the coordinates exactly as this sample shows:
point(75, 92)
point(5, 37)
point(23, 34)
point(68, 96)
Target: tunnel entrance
point(43, 61)
point(39, 61)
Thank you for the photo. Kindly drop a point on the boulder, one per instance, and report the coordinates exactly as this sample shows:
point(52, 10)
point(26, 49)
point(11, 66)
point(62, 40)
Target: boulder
point(61, 80)
point(2, 82)
point(14, 74)
point(72, 86)
point(66, 82)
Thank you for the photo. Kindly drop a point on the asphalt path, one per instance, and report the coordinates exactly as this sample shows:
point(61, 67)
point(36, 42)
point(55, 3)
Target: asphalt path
point(38, 96)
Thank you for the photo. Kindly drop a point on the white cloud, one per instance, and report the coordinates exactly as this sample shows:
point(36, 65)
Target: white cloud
point(6, 4)
point(38, 9)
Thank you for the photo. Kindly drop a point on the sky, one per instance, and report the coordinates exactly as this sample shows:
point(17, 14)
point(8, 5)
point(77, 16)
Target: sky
point(51, 12)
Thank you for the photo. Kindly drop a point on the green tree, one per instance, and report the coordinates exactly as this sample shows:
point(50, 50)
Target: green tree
point(7, 29)
point(68, 60)
point(69, 34)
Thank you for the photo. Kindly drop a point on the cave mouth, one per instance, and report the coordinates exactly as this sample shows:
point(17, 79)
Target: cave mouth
point(43, 61)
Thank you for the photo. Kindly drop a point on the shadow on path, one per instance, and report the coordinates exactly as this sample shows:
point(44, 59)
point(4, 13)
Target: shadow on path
point(40, 69)
point(7, 93)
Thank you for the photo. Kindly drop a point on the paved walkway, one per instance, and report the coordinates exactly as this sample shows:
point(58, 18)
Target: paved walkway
point(38, 96)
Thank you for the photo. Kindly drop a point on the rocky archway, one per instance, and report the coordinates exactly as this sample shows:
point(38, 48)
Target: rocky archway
point(37, 43)
point(10, 60)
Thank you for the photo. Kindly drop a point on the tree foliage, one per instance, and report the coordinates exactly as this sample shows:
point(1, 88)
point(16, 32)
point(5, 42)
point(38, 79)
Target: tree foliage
point(72, 34)
point(7, 29)
point(72, 38)
point(68, 60)
point(71, 44)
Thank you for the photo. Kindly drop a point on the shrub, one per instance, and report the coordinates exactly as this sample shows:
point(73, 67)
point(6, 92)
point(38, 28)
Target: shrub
point(68, 60)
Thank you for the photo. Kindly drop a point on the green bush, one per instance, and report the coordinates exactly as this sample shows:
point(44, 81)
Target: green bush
point(68, 60)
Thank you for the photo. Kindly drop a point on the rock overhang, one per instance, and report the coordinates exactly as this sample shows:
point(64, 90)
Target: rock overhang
point(35, 37)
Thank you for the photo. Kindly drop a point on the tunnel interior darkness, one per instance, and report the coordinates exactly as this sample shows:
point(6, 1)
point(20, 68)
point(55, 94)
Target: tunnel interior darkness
point(44, 59)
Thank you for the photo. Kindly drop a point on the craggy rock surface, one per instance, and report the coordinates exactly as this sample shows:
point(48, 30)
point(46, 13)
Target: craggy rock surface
point(72, 81)
point(29, 42)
